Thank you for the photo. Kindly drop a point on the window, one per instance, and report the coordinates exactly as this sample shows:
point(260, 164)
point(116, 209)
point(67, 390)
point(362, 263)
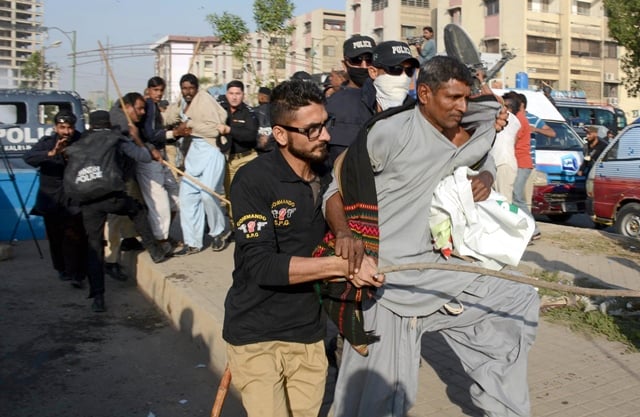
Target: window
point(539, 6)
point(307, 27)
point(378, 34)
point(280, 64)
point(585, 48)
point(333, 24)
point(539, 45)
point(379, 4)
point(583, 8)
point(329, 50)
point(13, 113)
point(493, 7)
point(259, 43)
point(407, 32)
point(236, 74)
point(46, 111)
point(208, 65)
point(258, 66)
point(309, 53)
point(492, 46)
point(415, 3)
point(610, 50)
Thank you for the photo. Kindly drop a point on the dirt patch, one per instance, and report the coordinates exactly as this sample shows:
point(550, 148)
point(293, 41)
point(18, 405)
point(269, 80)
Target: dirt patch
point(586, 242)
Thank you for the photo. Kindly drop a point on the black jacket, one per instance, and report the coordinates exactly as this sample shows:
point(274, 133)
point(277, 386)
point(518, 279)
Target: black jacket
point(51, 198)
point(351, 107)
point(244, 128)
point(276, 218)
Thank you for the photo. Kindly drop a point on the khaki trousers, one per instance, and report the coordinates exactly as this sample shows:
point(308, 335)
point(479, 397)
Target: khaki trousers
point(279, 379)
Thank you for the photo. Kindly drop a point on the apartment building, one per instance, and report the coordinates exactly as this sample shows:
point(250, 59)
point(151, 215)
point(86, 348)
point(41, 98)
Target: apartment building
point(178, 55)
point(316, 45)
point(562, 43)
point(21, 36)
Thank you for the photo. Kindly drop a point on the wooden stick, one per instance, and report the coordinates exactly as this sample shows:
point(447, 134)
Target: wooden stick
point(115, 83)
point(222, 393)
point(196, 182)
point(511, 277)
point(196, 52)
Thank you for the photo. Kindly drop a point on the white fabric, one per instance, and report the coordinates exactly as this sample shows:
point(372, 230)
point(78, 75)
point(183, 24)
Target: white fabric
point(160, 193)
point(391, 90)
point(492, 231)
point(503, 150)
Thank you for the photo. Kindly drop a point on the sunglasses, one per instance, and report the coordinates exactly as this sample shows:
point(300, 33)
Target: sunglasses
point(398, 70)
point(312, 132)
point(357, 60)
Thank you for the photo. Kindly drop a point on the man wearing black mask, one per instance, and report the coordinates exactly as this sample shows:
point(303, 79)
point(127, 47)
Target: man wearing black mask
point(345, 106)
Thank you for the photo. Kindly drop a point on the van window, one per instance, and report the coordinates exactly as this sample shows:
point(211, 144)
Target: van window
point(47, 111)
point(13, 113)
point(629, 145)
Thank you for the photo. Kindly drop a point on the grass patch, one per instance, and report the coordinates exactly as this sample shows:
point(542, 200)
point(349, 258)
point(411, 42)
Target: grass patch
point(625, 330)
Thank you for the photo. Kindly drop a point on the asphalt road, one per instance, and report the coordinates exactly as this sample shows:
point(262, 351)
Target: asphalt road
point(57, 358)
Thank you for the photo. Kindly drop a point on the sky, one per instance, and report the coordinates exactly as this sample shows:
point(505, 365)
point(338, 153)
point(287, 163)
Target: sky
point(128, 27)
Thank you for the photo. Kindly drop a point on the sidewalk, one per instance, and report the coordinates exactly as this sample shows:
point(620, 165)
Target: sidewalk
point(569, 374)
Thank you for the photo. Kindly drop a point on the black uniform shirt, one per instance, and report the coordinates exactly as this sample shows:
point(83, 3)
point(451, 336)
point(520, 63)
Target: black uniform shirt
point(276, 218)
point(244, 128)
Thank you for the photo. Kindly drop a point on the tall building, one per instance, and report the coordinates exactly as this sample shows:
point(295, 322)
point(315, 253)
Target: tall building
point(561, 43)
point(21, 36)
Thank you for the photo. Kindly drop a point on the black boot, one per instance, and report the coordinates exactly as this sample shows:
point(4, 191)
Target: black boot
point(98, 304)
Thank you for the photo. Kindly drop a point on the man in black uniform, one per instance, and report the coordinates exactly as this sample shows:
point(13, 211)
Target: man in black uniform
point(594, 148)
point(273, 321)
point(117, 201)
point(241, 129)
point(62, 220)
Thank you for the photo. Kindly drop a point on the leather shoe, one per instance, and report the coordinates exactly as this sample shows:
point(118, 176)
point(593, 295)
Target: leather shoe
point(98, 304)
point(130, 244)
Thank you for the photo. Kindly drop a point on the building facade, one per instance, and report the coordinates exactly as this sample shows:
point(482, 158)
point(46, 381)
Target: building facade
point(21, 36)
point(561, 43)
point(316, 45)
point(179, 55)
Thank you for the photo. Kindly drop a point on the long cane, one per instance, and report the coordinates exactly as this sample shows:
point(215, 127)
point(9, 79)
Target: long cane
point(517, 278)
point(223, 388)
point(196, 182)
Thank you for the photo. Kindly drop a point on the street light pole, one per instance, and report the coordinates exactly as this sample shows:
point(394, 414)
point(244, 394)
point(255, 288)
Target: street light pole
point(71, 39)
point(43, 64)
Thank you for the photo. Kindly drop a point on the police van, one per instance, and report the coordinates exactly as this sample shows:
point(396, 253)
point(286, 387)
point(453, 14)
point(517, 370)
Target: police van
point(25, 117)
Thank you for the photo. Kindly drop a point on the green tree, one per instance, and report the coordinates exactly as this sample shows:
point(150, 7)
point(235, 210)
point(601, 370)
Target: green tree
point(272, 19)
point(624, 23)
point(32, 70)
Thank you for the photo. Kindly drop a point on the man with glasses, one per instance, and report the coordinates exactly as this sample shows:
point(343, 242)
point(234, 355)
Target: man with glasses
point(273, 322)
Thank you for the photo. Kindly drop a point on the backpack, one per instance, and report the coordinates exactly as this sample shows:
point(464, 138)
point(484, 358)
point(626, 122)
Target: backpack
point(93, 169)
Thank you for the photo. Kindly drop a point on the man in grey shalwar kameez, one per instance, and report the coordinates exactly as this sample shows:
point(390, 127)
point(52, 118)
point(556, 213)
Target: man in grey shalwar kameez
point(489, 323)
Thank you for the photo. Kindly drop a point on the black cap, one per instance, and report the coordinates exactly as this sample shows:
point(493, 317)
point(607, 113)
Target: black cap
point(392, 53)
point(264, 90)
point(65, 116)
point(358, 45)
point(301, 75)
point(99, 119)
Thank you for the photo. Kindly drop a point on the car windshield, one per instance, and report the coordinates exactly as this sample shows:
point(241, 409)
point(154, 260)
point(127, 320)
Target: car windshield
point(566, 139)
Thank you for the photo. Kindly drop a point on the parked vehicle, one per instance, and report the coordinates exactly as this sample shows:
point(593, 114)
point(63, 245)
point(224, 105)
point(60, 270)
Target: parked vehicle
point(580, 113)
point(613, 184)
point(558, 192)
point(25, 117)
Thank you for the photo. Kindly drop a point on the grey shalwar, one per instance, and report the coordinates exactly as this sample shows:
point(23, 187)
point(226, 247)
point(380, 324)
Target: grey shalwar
point(493, 334)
